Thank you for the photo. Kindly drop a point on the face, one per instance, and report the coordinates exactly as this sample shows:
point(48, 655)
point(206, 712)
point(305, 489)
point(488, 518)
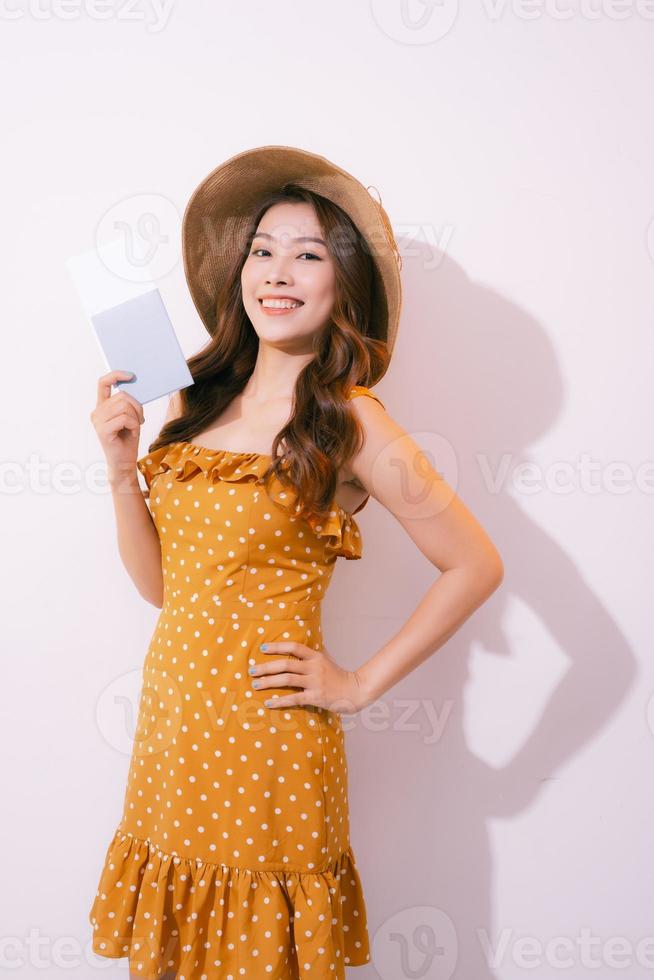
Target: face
point(288, 260)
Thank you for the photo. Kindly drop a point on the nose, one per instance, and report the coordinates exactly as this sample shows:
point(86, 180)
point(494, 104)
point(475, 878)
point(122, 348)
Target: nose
point(278, 271)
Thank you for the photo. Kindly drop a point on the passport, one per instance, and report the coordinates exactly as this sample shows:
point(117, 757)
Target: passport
point(130, 322)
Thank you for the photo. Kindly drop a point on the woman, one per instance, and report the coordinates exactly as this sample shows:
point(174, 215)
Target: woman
point(233, 855)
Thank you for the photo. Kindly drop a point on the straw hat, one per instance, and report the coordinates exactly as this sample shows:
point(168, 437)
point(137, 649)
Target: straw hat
point(217, 216)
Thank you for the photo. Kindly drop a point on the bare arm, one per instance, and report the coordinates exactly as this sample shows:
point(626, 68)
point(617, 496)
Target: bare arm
point(138, 539)
point(117, 419)
point(395, 471)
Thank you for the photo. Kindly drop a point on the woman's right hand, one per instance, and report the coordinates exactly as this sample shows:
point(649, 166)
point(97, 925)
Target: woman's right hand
point(117, 420)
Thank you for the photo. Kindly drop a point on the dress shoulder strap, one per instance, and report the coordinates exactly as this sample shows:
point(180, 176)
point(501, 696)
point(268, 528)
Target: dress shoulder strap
point(361, 390)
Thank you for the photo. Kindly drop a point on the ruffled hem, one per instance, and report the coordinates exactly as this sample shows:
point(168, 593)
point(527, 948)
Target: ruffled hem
point(165, 912)
point(183, 460)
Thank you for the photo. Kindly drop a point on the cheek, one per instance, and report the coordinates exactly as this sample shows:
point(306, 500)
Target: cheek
point(247, 280)
point(249, 291)
point(324, 292)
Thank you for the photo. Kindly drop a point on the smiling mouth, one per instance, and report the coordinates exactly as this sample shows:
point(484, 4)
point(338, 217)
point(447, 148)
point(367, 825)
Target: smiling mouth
point(283, 304)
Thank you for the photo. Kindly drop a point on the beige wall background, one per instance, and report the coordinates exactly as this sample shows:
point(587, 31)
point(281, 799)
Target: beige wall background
point(501, 798)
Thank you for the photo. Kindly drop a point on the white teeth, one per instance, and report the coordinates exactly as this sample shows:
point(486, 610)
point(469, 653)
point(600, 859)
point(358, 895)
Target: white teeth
point(280, 304)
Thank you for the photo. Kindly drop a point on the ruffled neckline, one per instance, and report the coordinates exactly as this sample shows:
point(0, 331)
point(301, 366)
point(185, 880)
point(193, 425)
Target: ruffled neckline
point(184, 459)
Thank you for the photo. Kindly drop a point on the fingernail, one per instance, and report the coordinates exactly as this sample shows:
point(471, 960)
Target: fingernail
point(251, 670)
point(264, 646)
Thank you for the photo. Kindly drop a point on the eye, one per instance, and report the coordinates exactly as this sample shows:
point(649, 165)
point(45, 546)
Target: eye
point(255, 250)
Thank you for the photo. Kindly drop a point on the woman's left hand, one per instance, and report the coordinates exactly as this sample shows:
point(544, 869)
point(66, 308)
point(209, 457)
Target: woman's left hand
point(324, 683)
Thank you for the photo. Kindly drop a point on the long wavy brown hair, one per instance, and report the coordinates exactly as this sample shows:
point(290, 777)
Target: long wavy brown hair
point(323, 432)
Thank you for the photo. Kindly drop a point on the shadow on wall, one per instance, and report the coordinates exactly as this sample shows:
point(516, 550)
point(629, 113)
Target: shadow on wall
point(481, 373)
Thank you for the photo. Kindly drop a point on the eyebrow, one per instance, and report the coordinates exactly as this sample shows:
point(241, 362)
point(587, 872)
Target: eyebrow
point(264, 234)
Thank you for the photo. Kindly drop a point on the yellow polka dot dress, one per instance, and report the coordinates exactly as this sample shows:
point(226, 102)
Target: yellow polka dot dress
point(232, 858)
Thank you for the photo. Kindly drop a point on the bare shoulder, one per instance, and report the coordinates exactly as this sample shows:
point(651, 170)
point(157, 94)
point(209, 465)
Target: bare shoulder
point(379, 431)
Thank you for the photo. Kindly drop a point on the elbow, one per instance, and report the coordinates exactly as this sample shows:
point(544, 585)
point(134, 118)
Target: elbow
point(495, 572)
point(156, 601)
point(154, 592)
point(487, 573)
point(483, 575)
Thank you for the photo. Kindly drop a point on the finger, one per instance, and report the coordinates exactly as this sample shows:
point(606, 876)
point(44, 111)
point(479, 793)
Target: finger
point(288, 701)
point(121, 402)
point(280, 680)
point(301, 666)
point(288, 646)
point(111, 430)
point(123, 406)
point(138, 408)
point(107, 380)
